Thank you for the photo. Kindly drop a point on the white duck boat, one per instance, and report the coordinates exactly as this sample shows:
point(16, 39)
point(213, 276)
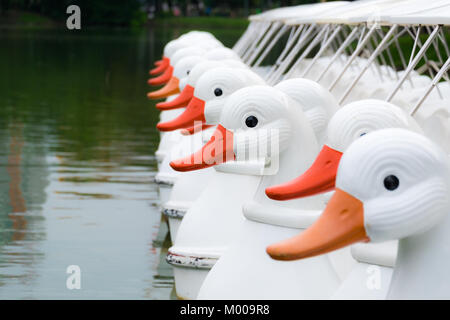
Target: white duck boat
point(213, 88)
point(174, 145)
point(323, 11)
point(185, 62)
point(182, 100)
point(238, 275)
point(363, 253)
point(188, 185)
point(211, 91)
point(391, 184)
point(190, 119)
point(222, 294)
point(166, 177)
point(347, 125)
point(172, 86)
point(223, 77)
point(175, 83)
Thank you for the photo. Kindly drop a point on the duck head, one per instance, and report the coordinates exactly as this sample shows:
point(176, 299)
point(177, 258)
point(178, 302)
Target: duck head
point(182, 100)
point(391, 184)
point(176, 57)
point(179, 78)
point(251, 119)
point(169, 49)
point(347, 125)
point(210, 94)
point(199, 38)
point(160, 66)
point(317, 103)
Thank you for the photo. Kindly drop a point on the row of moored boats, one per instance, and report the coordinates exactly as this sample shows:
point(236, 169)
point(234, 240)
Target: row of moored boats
point(323, 175)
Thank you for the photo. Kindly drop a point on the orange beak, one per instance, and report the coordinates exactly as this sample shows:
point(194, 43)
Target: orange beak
point(179, 102)
point(341, 224)
point(191, 130)
point(171, 87)
point(161, 66)
point(217, 150)
point(195, 111)
point(320, 177)
point(162, 79)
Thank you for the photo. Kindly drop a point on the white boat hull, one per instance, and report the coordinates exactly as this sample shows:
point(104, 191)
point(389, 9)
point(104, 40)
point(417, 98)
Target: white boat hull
point(246, 271)
point(211, 224)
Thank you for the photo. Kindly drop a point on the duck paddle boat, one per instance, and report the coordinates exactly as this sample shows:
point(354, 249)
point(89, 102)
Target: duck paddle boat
point(176, 84)
point(347, 125)
point(392, 184)
point(238, 274)
point(189, 185)
point(211, 92)
point(185, 143)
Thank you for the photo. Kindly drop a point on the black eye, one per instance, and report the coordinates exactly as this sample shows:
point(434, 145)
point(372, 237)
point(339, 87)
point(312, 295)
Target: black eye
point(251, 121)
point(218, 92)
point(391, 182)
point(362, 134)
point(187, 72)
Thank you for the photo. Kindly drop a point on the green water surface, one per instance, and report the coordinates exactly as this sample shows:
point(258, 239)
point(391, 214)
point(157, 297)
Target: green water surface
point(77, 143)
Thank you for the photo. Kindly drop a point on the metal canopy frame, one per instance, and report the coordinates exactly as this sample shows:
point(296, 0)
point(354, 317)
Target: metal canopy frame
point(344, 43)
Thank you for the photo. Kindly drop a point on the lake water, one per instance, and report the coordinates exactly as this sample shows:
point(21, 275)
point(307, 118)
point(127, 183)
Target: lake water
point(78, 137)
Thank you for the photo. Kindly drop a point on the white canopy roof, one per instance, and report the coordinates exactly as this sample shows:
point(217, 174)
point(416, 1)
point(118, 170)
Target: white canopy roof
point(383, 15)
point(386, 12)
point(271, 14)
point(434, 16)
point(282, 14)
point(354, 13)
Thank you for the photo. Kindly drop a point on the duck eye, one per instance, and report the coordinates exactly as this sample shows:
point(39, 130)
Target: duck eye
point(391, 182)
point(362, 134)
point(251, 121)
point(187, 72)
point(218, 92)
